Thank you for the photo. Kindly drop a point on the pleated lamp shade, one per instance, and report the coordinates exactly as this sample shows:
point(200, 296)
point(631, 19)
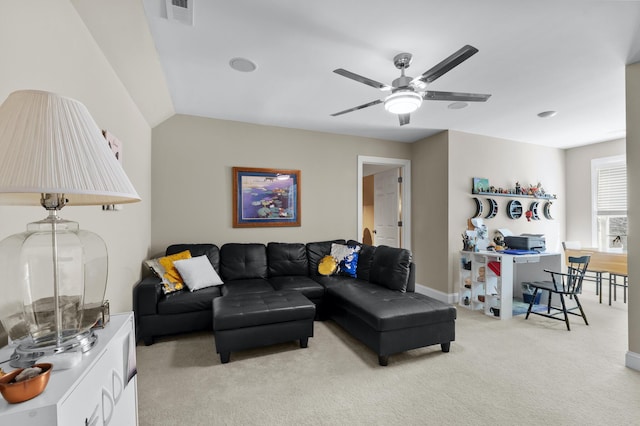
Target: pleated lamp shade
point(49, 144)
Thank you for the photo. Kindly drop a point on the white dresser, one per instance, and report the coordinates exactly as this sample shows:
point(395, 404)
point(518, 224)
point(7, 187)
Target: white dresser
point(100, 390)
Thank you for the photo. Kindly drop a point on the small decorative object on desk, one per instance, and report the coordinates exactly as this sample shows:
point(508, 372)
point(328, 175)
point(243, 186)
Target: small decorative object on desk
point(24, 384)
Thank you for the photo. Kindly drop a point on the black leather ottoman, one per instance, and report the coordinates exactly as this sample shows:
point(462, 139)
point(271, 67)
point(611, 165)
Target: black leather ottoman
point(261, 319)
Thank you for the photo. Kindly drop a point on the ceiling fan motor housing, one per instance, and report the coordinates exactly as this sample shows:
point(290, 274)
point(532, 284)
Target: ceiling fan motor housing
point(401, 82)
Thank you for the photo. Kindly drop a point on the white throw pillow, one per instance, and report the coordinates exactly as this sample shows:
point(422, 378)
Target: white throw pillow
point(197, 273)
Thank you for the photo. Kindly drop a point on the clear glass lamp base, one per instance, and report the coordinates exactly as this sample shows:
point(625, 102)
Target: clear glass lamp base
point(28, 352)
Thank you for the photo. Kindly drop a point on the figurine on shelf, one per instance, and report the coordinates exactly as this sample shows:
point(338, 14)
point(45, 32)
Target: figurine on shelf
point(518, 188)
point(481, 274)
point(468, 243)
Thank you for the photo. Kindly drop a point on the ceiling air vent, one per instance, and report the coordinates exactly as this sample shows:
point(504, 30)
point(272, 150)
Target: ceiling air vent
point(180, 11)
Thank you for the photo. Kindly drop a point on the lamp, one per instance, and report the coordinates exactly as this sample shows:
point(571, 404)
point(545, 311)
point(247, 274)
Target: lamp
point(403, 102)
point(54, 275)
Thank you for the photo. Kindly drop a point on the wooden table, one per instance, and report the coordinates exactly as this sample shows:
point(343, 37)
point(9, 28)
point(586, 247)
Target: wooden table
point(603, 261)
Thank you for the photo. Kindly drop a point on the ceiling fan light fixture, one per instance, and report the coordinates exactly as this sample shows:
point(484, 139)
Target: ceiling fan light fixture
point(403, 102)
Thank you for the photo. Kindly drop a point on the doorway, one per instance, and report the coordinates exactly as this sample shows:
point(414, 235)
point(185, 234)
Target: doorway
point(396, 216)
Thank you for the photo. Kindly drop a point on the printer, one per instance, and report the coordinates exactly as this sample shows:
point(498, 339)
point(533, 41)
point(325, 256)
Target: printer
point(526, 242)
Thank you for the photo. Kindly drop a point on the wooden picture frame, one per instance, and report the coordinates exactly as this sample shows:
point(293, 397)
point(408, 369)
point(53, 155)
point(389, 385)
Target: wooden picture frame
point(265, 197)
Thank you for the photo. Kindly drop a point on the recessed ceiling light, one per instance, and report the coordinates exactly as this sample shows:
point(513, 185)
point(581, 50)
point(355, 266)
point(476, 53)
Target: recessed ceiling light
point(458, 105)
point(242, 64)
point(547, 114)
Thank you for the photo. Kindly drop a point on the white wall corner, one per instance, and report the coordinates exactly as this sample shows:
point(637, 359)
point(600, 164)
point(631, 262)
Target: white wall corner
point(632, 359)
point(450, 298)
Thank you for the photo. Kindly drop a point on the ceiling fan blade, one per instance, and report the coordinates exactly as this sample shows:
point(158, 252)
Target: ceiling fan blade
point(404, 118)
point(455, 96)
point(376, 102)
point(361, 79)
point(448, 64)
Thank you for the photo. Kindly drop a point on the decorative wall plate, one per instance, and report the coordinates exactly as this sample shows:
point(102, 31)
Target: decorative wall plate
point(533, 208)
point(479, 207)
point(547, 210)
point(514, 209)
point(493, 208)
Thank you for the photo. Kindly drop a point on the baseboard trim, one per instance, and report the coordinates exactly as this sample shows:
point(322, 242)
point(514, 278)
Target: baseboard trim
point(436, 294)
point(632, 360)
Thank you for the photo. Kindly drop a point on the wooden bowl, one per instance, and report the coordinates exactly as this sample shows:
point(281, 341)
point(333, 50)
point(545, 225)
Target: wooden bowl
point(27, 389)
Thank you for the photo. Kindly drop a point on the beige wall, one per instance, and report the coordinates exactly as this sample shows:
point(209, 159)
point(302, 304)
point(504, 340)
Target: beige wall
point(192, 159)
point(440, 212)
point(429, 214)
point(578, 175)
point(46, 46)
point(633, 176)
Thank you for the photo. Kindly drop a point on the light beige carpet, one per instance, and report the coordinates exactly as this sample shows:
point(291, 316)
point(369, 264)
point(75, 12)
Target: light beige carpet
point(511, 372)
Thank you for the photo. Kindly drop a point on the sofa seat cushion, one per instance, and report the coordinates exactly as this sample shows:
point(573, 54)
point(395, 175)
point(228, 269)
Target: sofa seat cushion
point(332, 280)
point(186, 301)
point(305, 285)
point(384, 309)
point(234, 312)
point(246, 286)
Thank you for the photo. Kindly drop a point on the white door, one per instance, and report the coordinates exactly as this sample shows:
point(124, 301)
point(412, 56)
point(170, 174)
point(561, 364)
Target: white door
point(386, 208)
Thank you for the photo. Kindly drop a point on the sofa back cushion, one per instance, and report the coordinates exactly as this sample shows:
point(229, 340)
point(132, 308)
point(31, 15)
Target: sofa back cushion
point(210, 250)
point(316, 251)
point(365, 259)
point(243, 261)
point(287, 259)
point(391, 268)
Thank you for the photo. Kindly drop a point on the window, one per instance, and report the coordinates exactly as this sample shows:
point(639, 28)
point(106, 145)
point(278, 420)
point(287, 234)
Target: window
point(609, 213)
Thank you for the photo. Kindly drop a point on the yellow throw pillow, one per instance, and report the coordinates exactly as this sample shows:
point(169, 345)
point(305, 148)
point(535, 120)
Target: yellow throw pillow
point(164, 269)
point(327, 265)
point(170, 272)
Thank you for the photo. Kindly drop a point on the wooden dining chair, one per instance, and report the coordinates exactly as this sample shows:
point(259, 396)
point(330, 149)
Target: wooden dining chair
point(562, 284)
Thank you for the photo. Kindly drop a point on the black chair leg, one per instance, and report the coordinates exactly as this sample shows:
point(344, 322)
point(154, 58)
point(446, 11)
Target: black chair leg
point(581, 310)
point(564, 311)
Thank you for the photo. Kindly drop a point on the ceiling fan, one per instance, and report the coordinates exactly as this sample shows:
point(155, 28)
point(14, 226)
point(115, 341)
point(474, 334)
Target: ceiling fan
point(407, 93)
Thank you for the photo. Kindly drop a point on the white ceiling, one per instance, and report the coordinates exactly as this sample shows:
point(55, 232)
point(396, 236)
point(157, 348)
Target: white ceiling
point(534, 56)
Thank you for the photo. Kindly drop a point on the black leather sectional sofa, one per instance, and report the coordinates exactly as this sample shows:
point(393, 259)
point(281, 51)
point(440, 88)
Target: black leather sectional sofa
point(379, 306)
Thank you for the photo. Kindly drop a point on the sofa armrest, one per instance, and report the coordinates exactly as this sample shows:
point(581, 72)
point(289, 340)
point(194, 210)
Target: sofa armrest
point(411, 281)
point(146, 294)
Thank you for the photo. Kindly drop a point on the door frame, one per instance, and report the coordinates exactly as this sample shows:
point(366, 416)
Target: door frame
point(405, 193)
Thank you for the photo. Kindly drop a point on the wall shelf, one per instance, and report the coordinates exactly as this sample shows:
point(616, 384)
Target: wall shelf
point(499, 194)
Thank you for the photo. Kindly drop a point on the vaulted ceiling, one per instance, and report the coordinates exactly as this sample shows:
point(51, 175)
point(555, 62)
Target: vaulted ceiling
point(565, 56)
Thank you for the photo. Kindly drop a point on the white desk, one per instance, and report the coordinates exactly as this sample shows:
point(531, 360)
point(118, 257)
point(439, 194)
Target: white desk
point(100, 390)
point(499, 291)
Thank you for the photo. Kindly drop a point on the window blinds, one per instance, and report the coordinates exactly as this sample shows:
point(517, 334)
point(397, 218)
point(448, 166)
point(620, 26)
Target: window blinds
point(612, 190)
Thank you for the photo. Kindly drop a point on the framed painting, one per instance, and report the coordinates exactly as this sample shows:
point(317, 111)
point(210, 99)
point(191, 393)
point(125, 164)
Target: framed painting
point(265, 197)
